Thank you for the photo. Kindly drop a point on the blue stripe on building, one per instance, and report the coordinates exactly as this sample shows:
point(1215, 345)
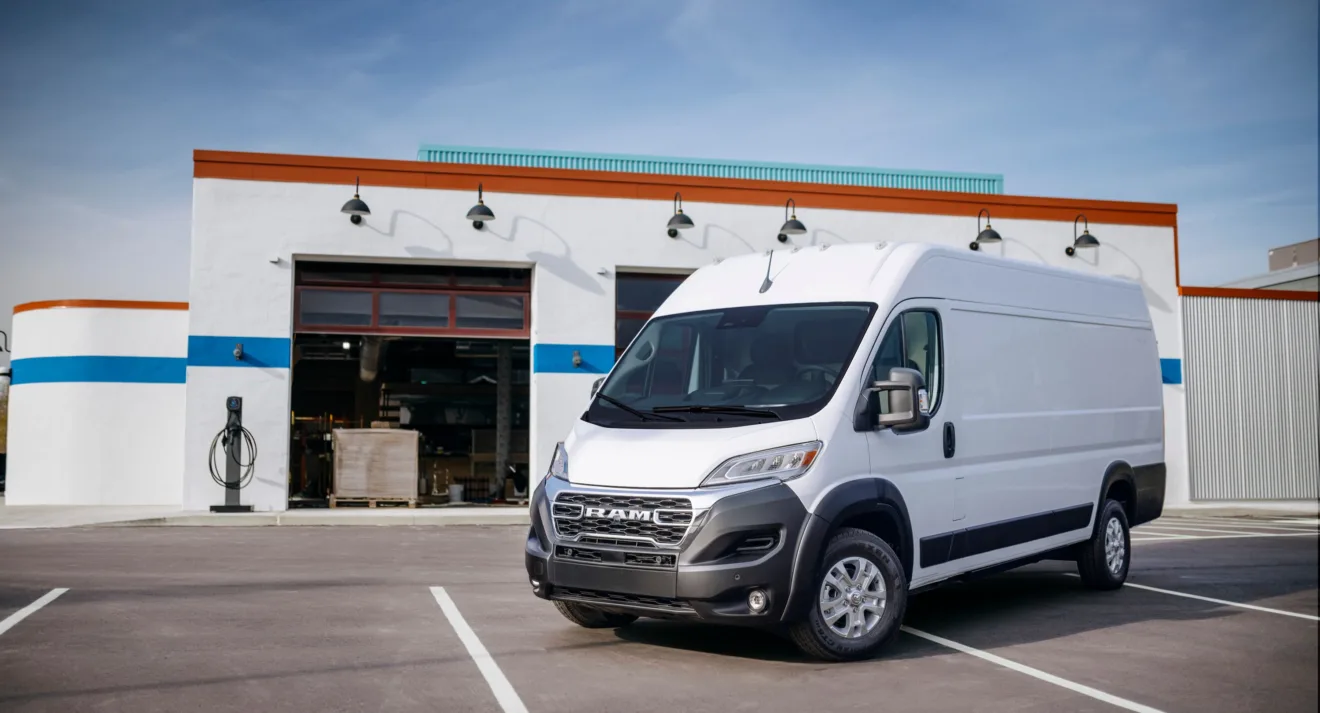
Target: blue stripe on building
point(262, 352)
point(558, 358)
point(99, 369)
point(1171, 370)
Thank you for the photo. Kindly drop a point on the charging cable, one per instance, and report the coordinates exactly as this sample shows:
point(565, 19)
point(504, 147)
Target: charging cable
point(222, 440)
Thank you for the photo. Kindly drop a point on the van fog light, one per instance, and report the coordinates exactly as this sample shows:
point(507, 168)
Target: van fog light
point(536, 584)
point(757, 601)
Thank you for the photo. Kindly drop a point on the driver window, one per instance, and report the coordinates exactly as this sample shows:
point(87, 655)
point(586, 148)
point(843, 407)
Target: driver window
point(912, 342)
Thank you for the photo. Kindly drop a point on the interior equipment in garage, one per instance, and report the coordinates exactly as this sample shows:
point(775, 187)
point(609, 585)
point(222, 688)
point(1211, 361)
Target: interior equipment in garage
point(237, 472)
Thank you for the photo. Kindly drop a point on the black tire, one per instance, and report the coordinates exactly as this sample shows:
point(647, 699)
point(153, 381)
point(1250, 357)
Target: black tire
point(814, 635)
point(1093, 561)
point(592, 618)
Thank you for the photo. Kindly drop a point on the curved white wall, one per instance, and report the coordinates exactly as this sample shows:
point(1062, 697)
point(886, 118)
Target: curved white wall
point(96, 407)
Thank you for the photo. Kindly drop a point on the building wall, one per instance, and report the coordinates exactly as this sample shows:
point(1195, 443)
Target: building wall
point(97, 404)
point(246, 234)
point(1251, 397)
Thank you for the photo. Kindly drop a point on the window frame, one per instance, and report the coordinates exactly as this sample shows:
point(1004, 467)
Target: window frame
point(937, 399)
point(301, 327)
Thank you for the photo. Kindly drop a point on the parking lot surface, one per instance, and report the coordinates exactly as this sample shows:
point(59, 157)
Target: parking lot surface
point(1221, 615)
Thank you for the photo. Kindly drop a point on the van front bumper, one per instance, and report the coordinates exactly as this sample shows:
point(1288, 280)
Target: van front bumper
point(708, 576)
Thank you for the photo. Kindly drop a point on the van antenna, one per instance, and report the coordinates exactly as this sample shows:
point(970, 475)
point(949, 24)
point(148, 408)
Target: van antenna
point(769, 260)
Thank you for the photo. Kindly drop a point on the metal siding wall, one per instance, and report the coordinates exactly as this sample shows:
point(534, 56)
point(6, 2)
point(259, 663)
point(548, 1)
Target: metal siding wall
point(1250, 368)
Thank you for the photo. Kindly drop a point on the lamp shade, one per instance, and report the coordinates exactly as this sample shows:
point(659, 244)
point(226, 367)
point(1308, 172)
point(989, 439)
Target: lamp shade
point(793, 226)
point(680, 221)
point(989, 235)
point(356, 206)
point(1086, 240)
point(481, 212)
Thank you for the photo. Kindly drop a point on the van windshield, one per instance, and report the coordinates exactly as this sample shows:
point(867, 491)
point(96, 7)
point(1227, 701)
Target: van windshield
point(731, 367)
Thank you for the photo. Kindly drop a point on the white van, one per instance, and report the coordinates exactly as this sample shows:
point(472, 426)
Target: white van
point(802, 438)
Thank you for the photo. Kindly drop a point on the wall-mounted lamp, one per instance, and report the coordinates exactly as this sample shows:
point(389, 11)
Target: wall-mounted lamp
point(480, 213)
point(1085, 240)
point(577, 359)
point(238, 352)
point(356, 208)
point(5, 345)
point(347, 346)
point(984, 235)
point(791, 226)
point(680, 221)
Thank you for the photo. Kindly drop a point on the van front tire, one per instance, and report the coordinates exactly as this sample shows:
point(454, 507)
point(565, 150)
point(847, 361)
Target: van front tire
point(858, 597)
point(1103, 562)
point(590, 617)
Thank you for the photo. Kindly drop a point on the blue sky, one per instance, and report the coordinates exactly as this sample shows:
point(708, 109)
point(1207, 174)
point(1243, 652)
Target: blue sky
point(1208, 104)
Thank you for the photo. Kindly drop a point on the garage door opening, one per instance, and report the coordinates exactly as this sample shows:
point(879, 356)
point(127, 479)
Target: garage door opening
point(410, 386)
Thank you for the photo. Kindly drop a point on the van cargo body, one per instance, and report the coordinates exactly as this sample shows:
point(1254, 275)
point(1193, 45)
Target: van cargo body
point(798, 439)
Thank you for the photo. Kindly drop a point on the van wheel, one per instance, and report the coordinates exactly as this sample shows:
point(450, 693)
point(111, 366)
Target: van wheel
point(1103, 562)
point(859, 595)
point(591, 617)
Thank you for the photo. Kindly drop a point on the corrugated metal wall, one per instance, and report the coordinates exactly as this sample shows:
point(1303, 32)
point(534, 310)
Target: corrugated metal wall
point(1250, 368)
point(832, 175)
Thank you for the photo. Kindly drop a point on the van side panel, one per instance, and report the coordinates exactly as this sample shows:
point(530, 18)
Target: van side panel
point(1048, 401)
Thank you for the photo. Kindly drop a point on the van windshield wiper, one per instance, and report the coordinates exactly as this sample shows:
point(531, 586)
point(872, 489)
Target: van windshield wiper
point(639, 414)
point(732, 410)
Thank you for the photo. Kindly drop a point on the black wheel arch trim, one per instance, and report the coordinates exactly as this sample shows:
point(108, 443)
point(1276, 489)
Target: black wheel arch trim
point(1147, 483)
point(849, 499)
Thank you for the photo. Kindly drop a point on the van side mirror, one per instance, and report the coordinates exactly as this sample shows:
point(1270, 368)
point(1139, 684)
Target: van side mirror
point(908, 404)
point(595, 385)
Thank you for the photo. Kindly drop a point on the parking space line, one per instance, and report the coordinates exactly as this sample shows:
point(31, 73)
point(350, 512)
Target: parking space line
point(1173, 522)
point(1239, 536)
point(1212, 600)
point(28, 610)
point(1220, 531)
point(1035, 673)
point(499, 685)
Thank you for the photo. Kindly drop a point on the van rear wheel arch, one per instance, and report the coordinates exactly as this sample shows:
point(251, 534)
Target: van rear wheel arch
point(1119, 484)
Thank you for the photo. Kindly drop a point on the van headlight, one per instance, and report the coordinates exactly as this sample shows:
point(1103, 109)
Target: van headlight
point(784, 463)
point(558, 463)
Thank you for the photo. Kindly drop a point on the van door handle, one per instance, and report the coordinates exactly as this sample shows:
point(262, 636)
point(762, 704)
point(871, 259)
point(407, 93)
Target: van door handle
point(950, 440)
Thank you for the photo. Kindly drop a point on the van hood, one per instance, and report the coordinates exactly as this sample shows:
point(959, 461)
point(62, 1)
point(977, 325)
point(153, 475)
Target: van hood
point(669, 458)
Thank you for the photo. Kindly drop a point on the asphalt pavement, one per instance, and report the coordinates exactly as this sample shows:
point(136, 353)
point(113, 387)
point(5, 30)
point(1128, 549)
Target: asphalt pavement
point(1221, 616)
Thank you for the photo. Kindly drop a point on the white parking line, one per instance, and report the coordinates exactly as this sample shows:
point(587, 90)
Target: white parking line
point(1217, 530)
point(28, 610)
point(1035, 673)
point(1212, 600)
point(1245, 535)
point(1236, 524)
point(499, 685)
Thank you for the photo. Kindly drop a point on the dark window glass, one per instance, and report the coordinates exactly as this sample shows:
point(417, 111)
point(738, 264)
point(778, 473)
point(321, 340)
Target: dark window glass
point(414, 309)
point(625, 328)
point(489, 311)
point(644, 293)
point(781, 358)
point(912, 342)
point(335, 308)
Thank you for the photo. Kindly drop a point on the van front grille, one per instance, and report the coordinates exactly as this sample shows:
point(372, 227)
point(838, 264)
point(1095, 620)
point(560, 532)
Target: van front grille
point(628, 520)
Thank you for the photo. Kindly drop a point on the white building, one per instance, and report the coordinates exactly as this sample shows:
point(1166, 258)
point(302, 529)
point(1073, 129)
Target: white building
point(118, 402)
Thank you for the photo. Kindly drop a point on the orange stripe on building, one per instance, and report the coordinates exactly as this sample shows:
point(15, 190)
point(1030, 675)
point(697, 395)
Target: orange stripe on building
point(696, 189)
point(1238, 293)
point(100, 304)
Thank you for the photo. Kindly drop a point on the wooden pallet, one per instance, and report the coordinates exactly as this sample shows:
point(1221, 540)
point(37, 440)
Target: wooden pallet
point(336, 502)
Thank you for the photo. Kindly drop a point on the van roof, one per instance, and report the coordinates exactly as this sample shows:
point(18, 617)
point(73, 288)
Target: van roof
point(887, 273)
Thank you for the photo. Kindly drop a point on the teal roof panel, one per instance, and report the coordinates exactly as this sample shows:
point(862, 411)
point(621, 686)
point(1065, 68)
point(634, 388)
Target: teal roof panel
point(987, 183)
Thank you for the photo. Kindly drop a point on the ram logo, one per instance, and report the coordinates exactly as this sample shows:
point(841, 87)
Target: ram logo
point(617, 514)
